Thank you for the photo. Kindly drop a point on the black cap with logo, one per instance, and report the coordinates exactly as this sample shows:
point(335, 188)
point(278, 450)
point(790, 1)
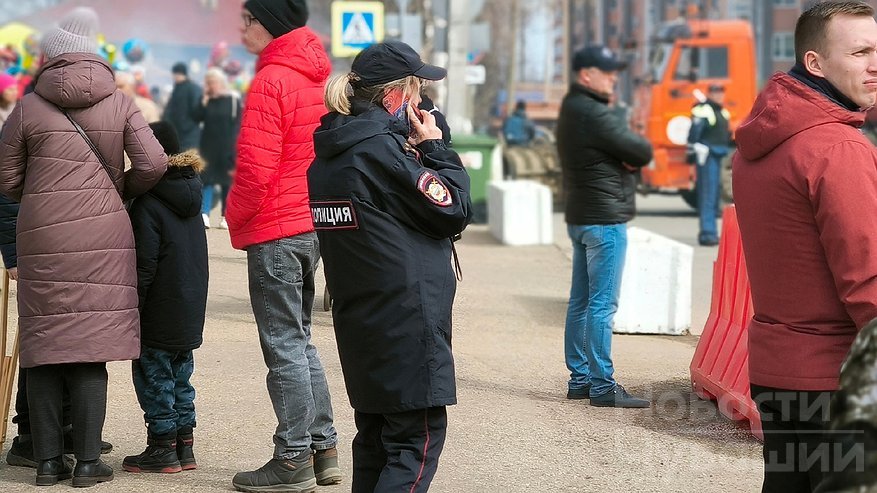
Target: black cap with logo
point(388, 61)
point(598, 56)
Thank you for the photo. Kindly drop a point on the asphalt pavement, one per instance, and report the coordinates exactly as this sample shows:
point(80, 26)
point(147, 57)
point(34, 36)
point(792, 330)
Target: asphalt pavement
point(512, 431)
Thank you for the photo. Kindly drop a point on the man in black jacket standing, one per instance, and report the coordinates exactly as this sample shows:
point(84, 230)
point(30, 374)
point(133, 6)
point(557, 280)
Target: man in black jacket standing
point(182, 107)
point(599, 156)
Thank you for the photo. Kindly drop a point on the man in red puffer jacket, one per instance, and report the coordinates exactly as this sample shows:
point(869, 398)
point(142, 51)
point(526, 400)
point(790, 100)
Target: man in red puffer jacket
point(269, 216)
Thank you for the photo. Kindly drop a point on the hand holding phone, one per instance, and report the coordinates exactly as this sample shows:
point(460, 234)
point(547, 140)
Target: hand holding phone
point(423, 125)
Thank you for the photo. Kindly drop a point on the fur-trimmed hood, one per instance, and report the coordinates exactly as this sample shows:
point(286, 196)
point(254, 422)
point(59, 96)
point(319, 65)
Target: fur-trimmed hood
point(189, 158)
point(180, 189)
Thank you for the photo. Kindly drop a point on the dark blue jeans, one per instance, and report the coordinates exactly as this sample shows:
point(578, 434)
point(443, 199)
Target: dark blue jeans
point(161, 381)
point(708, 189)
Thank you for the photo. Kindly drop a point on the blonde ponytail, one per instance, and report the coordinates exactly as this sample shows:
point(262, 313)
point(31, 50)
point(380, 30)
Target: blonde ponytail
point(337, 96)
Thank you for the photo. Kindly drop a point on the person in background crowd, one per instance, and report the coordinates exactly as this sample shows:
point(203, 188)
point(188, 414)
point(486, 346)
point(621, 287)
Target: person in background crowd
point(125, 82)
point(598, 155)
point(269, 216)
point(172, 286)
point(710, 136)
point(517, 129)
point(805, 183)
point(182, 106)
point(77, 272)
point(388, 262)
point(220, 111)
point(140, 85)
point(8, 96)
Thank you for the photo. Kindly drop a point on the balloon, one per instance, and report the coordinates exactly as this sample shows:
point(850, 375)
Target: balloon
point(233, 68)
point(135, 50)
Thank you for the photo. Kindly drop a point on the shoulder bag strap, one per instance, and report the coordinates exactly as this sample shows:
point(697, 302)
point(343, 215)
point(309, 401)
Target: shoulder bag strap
point(93, 147)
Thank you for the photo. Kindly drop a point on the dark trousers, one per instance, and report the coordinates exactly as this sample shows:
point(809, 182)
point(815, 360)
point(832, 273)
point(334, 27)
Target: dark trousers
point(397, 452)
point(87, 383)
point(22, 411)
point(798, 452)
point(161, 381)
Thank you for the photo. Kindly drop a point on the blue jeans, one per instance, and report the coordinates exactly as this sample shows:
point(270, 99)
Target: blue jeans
point(281, 278)
point(207, 198)
point(161, 382)
point(708, 189)
point(597, 264)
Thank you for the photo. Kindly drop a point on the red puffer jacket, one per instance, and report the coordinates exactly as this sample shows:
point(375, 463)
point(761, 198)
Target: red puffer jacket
point(269, 196)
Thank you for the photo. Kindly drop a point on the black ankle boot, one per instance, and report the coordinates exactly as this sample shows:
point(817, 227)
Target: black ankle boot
point(21, 452)
point(185, 453)
point(90, 473)
point(160, 456)
point(49, 472)
point(105, 447)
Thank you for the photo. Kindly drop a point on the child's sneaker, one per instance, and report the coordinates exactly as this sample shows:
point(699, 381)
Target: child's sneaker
point(326, 468)
point(223, 224)
point(184, 449)
point(160, 456)
point(206, 219)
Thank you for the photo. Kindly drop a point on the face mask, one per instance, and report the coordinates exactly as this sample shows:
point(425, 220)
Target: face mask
point(396, 104)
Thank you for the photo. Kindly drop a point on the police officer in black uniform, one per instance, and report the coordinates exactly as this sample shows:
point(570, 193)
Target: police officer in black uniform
point(387, 197)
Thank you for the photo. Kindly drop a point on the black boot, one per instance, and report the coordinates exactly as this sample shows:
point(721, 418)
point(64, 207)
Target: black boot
point(184, 449)
point(49, 472)
point(160, 456)
point(90, 473)
point(21, 452)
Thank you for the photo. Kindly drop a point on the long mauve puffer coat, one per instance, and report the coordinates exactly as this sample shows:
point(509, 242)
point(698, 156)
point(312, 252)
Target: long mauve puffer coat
point(77, 288)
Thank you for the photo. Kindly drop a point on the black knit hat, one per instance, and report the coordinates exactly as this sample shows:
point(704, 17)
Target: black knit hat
point(167, 137)
point(279, 16)
point(180, 68)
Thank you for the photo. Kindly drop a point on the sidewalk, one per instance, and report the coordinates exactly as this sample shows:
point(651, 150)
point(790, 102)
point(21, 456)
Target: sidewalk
point(512, 431)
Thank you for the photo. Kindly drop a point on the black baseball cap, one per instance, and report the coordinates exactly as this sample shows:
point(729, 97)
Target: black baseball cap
point(598, 56)
point(388, 61)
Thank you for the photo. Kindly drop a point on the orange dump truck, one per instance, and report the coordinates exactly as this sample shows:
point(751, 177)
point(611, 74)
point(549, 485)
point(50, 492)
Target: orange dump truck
point(687, 57)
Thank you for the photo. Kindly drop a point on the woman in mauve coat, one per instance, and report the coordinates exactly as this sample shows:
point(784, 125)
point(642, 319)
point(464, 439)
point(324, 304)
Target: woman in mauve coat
point(77, 287)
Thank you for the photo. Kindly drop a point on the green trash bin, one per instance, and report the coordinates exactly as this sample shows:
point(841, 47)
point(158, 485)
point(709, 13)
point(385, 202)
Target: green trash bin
point(476, 152)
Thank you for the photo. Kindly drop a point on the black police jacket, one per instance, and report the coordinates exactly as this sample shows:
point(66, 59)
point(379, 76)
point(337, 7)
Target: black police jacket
point(172, 271)
point(593, 142)
point(384, 213)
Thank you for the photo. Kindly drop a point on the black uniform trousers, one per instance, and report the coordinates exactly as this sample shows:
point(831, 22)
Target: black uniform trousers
point(87, 384)
point(397, 452)
point(22, 410)
point(798, 452)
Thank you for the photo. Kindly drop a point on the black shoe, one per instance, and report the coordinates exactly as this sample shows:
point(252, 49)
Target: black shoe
point(49, 472)
point(105, 447)
point(581, 393)
point(90, 473)
point(708, 241)
point(279, 475)
point(185, 454)
point(326, 468)
point(160, 456)
point(618, 397)
point(21, 452)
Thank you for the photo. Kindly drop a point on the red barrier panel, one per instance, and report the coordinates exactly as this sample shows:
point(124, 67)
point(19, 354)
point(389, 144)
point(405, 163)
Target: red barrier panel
point(720, 366)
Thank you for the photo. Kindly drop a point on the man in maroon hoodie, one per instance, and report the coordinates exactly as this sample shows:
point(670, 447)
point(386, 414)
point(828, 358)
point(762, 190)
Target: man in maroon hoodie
point(805, 185)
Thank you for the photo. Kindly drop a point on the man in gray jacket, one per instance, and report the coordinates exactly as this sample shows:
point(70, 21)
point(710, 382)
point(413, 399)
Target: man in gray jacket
point(599, 156)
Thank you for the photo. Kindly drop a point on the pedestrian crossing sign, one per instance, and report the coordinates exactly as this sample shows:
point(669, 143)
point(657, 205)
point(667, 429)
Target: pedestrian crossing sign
point(356, 26)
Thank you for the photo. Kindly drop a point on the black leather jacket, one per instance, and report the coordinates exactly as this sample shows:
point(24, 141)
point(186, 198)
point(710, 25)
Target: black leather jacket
point(593, 142)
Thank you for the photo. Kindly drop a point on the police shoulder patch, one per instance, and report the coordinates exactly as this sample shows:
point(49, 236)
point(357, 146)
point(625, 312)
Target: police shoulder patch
point(434, 190)
point(334, 215)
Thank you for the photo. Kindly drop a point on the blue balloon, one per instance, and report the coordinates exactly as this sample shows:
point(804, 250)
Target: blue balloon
point(135, 50)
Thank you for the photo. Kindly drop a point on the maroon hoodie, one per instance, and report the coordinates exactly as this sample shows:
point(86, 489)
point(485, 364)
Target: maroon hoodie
point(805, 186)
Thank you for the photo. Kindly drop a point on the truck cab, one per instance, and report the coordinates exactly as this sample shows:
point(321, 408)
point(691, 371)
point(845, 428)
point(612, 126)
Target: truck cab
point(687, 57)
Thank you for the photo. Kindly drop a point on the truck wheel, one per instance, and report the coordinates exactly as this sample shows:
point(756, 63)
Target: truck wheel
point(727, 194)
point(690, 197)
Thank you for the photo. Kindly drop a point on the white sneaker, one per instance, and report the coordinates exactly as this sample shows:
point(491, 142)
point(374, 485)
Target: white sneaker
point(206, 219)
point(223, 224)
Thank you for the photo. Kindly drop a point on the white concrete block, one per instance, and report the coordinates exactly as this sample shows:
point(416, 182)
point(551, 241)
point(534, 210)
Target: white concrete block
point(656, 286)
point(519, 212)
